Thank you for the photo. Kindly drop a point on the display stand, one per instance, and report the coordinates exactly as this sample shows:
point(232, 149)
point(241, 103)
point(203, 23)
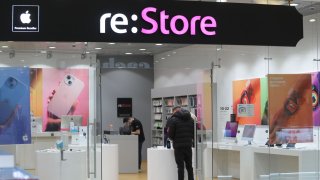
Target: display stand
point(50, 166)
point(162, 165)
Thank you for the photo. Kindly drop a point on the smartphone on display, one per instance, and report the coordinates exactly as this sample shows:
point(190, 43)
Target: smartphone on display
point(11, 93)
point(65, 95)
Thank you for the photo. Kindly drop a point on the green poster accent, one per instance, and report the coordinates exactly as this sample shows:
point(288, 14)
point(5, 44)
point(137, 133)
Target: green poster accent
point(264, 100)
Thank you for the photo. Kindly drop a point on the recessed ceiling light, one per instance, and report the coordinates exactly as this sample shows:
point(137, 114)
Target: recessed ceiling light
point(156, 61)
point(43, 52)
point(294, 4)
point(4, 46)
point(142, 49)
point(0, 51)
point(218, 49)
point(128, 53)
point(52, 47)
point(163, 58)
point(174, 52)
point(87, 52)
point(312, 20)
point(97, 48)
point(159, 44)
point(22, 60)
point(111, 43)
point(168, 55)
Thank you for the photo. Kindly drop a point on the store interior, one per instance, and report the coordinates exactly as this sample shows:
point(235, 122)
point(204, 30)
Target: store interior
point(211, 81)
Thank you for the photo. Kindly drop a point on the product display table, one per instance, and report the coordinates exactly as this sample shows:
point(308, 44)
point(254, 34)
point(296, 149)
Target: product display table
point(254, 161)
point(109, 160)
point(15, 173)
point(6, 160)
point(162, 165)
point(51, 167)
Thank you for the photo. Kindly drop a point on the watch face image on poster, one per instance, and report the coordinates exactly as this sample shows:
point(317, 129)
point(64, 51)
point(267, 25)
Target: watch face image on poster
point(290, 106)
point(315, 98)
point(65, 92)
point(246, 93)
point(14, 106)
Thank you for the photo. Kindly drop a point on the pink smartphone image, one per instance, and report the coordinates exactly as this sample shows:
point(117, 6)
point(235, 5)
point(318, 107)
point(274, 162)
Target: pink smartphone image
point(65, 96)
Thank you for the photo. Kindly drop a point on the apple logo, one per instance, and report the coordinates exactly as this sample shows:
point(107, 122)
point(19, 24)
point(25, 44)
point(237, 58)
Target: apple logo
point(25, 17)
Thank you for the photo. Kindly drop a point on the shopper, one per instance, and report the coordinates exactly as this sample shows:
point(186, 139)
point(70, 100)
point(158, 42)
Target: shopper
point(181, 132)
point(137, 129)
point(169, 122)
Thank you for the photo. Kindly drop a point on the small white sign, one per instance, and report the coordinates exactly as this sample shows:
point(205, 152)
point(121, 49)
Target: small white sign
point(245, 110)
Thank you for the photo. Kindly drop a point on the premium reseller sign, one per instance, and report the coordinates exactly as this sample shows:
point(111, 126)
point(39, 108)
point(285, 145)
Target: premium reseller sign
point(151, 22)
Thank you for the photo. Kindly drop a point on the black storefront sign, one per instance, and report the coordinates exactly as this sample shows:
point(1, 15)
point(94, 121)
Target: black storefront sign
point(151, 22)
point(124, 107)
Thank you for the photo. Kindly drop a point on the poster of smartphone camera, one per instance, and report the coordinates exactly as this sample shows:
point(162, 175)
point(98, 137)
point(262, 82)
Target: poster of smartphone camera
point(15, 125)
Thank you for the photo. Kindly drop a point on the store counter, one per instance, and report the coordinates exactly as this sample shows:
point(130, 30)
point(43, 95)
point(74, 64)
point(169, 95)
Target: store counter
point(51, 167)
point(249, 162)
point(162, 164)
point(128, 152)
point(109, 161)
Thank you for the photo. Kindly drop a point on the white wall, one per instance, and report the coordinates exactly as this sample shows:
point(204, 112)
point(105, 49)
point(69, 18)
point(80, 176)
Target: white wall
point(187, 65)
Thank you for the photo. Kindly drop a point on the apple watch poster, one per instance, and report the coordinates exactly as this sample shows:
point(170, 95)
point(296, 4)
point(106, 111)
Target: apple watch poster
point(15, 106)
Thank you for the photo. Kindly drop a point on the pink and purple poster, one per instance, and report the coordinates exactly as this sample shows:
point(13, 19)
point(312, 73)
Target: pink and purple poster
point(315, 98)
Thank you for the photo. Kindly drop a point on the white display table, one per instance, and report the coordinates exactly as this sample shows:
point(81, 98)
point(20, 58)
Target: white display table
point(162, 165)
point(51, 167)
point(109, 160)
point(250, 161)
point(6, 160)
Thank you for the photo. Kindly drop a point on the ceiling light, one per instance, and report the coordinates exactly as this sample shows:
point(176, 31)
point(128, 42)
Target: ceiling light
point(174, 52)
point(156, 61)
point(159, 44)
point(128, 53)
point(4, 46)
point(87, 52)
point(218, 49)
point(168, 55)
point(312, 20)
point(187, 68)
point(22, 60)
point(163, 58)
point(52, 47)
point(111, 43)
point(221, 0)
point(97, 48)
point(294, 4)
point(43, 52)
point(0, 51)
point(142, 49)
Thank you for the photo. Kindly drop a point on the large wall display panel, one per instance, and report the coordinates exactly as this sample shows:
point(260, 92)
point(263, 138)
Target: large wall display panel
point(290, 106)
point(315, 98)
point(150, 22)
point(246, 101)
point(65, 92)
point(15, 106)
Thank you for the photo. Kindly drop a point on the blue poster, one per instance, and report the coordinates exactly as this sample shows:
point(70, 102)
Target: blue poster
point(15, 106)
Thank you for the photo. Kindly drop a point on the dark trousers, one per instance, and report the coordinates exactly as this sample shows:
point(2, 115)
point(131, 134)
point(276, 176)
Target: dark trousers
point(184, 156)
point(139, 154)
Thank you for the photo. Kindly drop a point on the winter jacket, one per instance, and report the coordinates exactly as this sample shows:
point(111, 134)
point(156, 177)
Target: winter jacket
point(181, 129)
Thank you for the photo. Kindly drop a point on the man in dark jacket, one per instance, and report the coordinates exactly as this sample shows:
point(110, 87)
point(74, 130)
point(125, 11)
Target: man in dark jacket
point(181, 132)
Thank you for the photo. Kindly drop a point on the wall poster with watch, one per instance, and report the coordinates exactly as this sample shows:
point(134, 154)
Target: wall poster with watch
point(290, 107)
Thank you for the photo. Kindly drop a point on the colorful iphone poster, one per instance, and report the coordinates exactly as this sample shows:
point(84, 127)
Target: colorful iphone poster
point(315, 98)
point(15, 106)
point(290, 106)
point(264, 101)
point(246, 98)
point(65, 93)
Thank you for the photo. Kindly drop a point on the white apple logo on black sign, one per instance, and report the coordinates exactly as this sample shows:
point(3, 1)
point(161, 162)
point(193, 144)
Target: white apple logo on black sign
point(25, 17)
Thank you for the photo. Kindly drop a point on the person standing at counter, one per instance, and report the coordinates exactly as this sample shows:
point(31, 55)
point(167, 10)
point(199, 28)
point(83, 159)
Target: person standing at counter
point(125, 130)
point(181, 132)
point(137, 129)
